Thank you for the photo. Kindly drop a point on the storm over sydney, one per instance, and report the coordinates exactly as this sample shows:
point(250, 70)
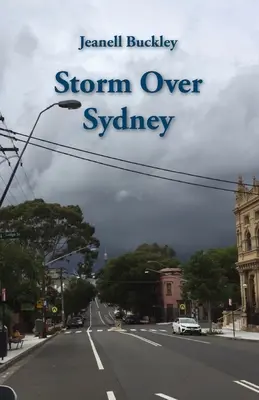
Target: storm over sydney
point(214, 133)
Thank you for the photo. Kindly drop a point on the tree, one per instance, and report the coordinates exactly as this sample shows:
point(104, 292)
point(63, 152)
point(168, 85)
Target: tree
point(124, 281)
point(161, 252)
point(20, 274)
point(210, 277)
point(78, 295)
point(86, 268)
point(51, 229)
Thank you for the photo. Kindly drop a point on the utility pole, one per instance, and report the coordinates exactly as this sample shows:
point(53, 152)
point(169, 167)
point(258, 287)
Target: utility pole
point(44, 331)
point(62, 298)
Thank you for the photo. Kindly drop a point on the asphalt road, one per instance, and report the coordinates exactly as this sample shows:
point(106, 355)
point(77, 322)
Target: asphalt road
point(140, 363)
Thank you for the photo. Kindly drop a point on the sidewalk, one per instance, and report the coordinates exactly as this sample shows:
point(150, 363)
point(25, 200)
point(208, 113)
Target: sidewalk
point(241, 335)
point(30, 342)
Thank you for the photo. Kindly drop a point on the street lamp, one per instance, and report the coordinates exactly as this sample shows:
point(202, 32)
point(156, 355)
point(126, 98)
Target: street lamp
point(245, 292)
point(69, 105)
point(45, 265)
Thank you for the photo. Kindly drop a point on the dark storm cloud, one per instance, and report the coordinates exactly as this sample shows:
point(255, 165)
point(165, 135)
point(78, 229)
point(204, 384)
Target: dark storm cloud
point(215, 133)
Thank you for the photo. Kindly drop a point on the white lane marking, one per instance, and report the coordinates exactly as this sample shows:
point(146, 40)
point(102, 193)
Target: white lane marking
point(162, 330)
point(107, 317)
point(105, 305)
point(99, 313)
point(153, 330)
point(111, 396)
point(97, 358)
point(180, 337)
point(111, 316)
point(164, 396)
point(141, 338)
point(133, 330)
point(90, 322)
point(143, 330)
point(248, 385)
point(78, 331)
point(96, 302)
point(99, 330)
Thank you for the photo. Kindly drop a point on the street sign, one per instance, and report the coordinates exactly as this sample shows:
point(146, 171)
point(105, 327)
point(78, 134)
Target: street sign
point(9, 235)
point(54, 310)
point(230, 302)
point(182, 307)
point(39, 303)
point(3, 294)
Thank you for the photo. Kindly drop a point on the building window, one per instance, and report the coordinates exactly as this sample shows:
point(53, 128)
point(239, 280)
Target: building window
point(246, 219)
point(169, 289)
point(248, 241)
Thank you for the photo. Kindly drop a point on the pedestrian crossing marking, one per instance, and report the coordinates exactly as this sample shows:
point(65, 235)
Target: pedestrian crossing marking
point(122, 330)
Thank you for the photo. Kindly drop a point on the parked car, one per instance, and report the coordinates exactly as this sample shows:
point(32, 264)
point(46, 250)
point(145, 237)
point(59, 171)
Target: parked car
point(186, 326)
point(131, 319)
point(75, 322)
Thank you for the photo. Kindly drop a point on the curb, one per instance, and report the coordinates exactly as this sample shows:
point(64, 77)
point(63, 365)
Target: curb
point(14, 360)
point(237, 338)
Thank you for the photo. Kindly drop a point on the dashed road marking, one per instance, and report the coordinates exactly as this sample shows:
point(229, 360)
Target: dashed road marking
point(248, 385)
point(78, 331)
point(162, 330)
point(111, 396)
point(99, 330)
point(141, 338)
point(143, 330)
point(133, 330)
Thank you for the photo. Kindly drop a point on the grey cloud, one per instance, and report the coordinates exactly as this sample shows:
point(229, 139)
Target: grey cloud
point(214, 133)
point(26, 43)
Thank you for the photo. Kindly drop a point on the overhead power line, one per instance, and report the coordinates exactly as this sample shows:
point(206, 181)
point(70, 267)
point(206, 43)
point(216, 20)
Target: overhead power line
point(124, 160)
point(25, 174)
point(127, 169)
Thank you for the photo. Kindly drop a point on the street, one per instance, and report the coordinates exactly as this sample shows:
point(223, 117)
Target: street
point(142, 362)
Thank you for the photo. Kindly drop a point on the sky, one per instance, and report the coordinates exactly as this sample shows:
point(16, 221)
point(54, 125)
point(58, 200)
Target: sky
point(214, 133)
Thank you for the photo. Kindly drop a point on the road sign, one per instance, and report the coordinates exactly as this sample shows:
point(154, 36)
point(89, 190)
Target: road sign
point(39, 303)
point(182, 307)
point(3, 294)
point(9, 235)
point(54, 310)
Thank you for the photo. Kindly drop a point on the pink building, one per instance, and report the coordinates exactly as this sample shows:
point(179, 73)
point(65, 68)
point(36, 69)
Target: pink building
point(171, 292)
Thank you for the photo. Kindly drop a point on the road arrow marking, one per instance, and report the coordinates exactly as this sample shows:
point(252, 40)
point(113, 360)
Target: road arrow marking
point(164, 396)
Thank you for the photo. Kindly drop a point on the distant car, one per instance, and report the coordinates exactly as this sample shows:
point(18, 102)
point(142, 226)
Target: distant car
point(186, 326)
point(131, 319)
point(75, 322)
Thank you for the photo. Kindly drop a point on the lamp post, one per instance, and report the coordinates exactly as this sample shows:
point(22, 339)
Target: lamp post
point(45, 265)
point(68, 104)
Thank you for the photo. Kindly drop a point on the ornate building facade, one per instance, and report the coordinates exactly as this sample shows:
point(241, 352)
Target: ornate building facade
point(247, 233)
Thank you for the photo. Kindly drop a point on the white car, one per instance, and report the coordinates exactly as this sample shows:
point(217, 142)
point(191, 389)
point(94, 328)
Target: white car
point(186, 326)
